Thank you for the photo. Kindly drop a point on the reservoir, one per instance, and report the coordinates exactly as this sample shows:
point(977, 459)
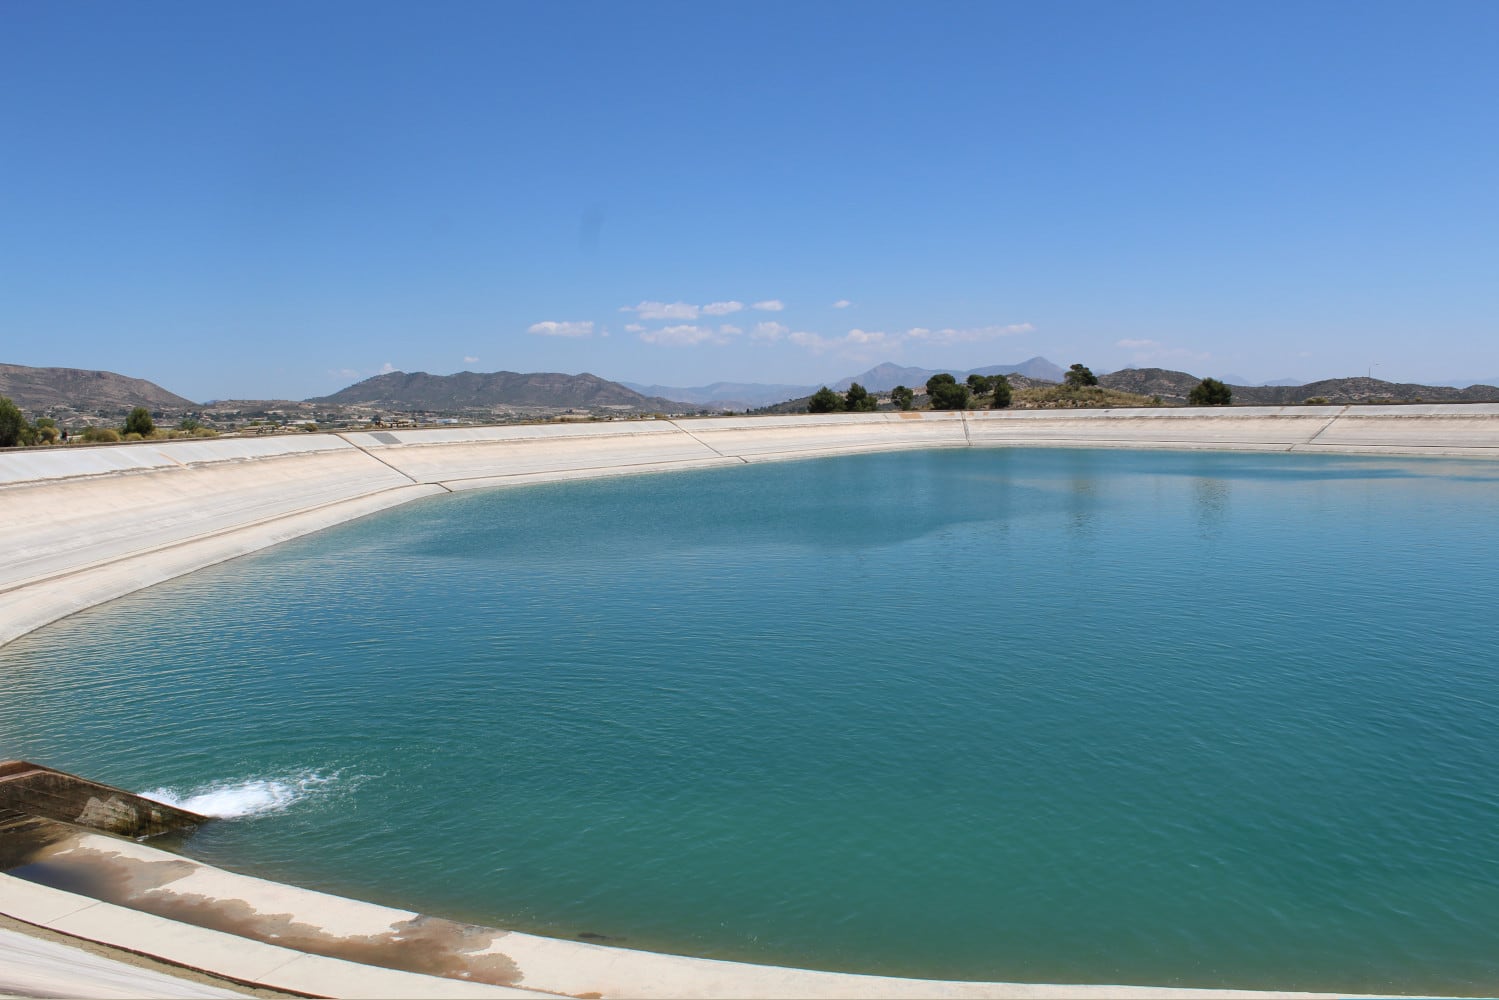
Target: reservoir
point(1050, 715)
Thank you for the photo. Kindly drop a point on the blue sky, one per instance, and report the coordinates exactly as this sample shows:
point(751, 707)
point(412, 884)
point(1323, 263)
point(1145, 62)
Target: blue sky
point(276, 199)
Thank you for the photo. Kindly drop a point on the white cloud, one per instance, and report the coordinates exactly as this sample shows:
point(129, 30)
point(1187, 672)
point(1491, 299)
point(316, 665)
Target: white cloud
point(387, 368)
point(869, 337)
point(469, 359)
point(770, 305)
point(769, 330)
point(684, 335)
point(552, 328)
point(967, 335)
point(722, 308)
point(842, 304)
point(634, 327)
point(730, 330)
point(663, 310)
point(811, 341)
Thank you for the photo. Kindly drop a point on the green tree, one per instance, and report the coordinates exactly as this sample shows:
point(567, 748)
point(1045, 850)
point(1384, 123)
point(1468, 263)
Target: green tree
point(139, 422)
point(946, 394)
point(903, 397)
point(1210, 392)
point(825, 400)
point(1003, 392)
point(858, 399)
point(13, 425)
point(1079, 376)
point(980, 385)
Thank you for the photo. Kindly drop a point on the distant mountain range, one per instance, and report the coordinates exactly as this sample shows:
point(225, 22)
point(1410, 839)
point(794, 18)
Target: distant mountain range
point(486, 390)
point(1173, 387)
point(880, 378)
point(73, 394)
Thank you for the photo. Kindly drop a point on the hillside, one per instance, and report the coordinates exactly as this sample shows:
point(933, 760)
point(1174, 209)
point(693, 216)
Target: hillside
point(1173, 387)
point(883, 378)
point(880, 378)
point(469, 391)
point(60, 390)
point(724, 395)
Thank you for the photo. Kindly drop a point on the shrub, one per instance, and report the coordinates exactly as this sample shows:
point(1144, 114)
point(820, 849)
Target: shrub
point(825, 400)
point(1210, 392)
point(139, 422)
point(1316, 401)
point(859, 400)
point(1079, 376)
point(946, 394)
point(101, 435)
point(12, 423)
point(903, 397)
point(1003, 393)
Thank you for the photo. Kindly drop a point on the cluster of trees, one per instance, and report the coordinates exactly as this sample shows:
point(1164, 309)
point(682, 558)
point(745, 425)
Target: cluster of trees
point(857, 400)
point(945, 392)
point(16, 430)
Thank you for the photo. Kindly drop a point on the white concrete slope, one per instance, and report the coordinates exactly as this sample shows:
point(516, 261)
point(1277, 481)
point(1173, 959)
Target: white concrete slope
point(290, 939)
point(89, 524)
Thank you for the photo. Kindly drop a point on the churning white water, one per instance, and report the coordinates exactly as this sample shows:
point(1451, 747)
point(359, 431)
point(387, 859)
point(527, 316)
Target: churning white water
point(245, 797)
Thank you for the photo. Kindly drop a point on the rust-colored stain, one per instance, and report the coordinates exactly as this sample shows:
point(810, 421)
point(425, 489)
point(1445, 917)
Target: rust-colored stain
point(428, 945)
point(909, 415)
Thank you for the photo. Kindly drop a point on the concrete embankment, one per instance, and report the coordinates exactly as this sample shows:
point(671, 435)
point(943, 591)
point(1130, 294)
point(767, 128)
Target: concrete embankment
point(248, 930)
point(89, 524)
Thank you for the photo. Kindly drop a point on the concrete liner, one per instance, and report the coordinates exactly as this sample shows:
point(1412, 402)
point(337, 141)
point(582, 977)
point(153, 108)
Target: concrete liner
point(552, 965)
point(82, 460)
point(69, 523)
point(23, 609)
point(521, 451)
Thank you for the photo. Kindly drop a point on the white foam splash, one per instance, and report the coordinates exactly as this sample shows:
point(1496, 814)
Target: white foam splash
point(246, 797)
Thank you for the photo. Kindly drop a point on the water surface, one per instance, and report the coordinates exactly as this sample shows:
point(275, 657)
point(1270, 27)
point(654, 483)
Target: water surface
point(1061, 716)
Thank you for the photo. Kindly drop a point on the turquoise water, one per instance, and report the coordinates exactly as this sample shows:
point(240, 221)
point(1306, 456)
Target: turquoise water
point(1067, 716)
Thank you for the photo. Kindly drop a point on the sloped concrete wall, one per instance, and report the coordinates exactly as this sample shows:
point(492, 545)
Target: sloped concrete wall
point(86, 525)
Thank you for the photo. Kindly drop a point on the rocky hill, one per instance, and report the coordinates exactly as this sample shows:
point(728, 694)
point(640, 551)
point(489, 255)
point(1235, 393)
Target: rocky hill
point(883, 378)
point(51, 391)
point(724, 395)
point(490, 391)
point(1173, 387)
point(880, 378)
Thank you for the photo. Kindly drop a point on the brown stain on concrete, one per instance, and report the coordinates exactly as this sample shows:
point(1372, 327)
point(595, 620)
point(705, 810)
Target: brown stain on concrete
point(25, 839)
point(428, 945)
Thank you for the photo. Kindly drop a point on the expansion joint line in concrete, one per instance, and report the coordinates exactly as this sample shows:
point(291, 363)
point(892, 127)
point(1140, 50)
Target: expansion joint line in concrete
point(706, 444)
point(967, 440)
point(392, 468)
point(1323, 429)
